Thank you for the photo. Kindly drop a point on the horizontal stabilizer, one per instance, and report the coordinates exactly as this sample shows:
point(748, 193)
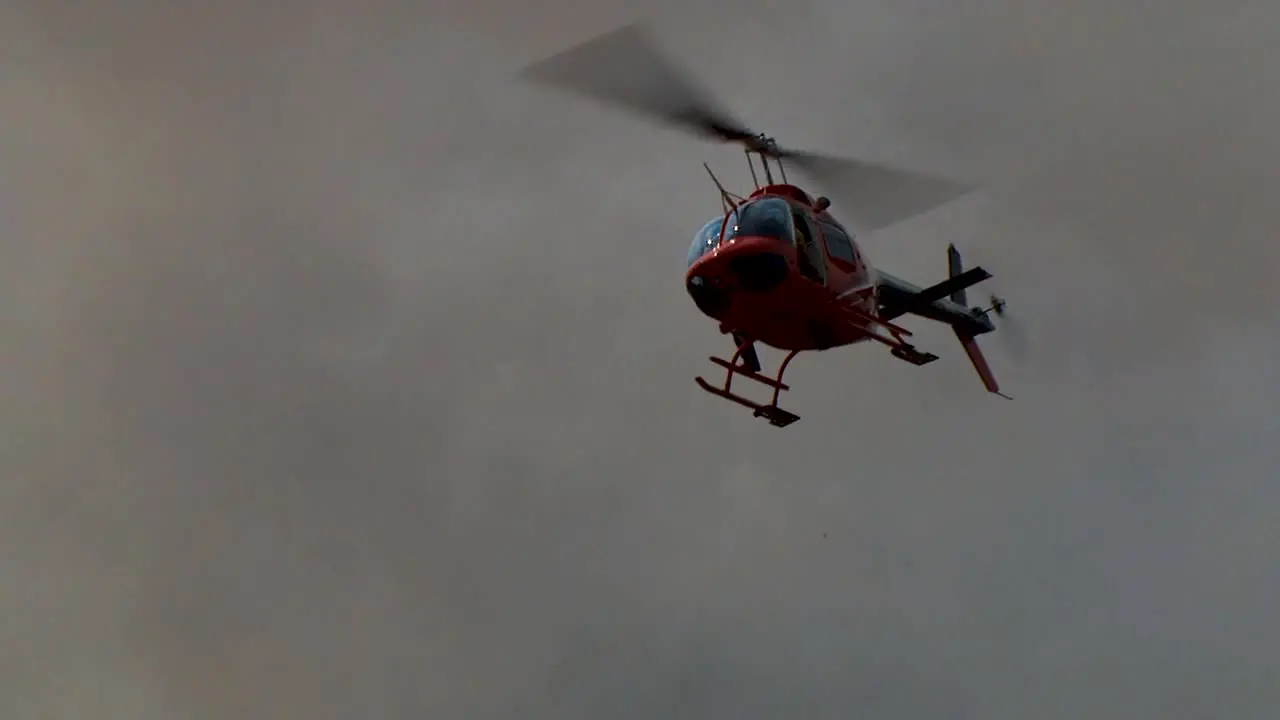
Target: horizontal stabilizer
point(952, 285)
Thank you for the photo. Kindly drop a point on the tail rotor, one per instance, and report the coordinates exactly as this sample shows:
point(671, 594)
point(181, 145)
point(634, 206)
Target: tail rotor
point(1013, 335)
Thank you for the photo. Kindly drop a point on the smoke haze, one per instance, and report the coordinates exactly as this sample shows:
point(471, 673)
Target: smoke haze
point(347, 377)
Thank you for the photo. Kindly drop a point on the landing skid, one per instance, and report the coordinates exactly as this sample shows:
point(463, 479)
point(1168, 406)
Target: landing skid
point(776, 416)
point(896, 339)
point(912, 355)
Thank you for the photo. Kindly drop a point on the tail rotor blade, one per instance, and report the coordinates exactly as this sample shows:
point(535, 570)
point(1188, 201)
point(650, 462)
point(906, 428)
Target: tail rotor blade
point(1010, 331)
point(1016, 340)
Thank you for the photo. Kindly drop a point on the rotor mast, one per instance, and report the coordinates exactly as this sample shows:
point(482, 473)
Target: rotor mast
point(765, 147)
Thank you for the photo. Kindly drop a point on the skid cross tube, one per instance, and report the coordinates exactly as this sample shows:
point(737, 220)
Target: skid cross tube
point(771, 412)
point(872, 326)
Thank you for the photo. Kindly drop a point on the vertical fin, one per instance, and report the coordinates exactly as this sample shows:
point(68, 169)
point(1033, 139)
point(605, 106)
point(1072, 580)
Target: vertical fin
point(979, 361)
point(954, 268)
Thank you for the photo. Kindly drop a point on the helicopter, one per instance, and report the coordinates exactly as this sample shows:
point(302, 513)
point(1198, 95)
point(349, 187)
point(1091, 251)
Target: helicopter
point(775, 266)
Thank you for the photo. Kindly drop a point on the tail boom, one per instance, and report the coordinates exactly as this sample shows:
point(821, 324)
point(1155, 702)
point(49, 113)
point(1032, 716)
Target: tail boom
point(946, 302)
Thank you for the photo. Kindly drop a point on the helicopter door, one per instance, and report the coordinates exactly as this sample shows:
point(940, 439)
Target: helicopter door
point(808, 255)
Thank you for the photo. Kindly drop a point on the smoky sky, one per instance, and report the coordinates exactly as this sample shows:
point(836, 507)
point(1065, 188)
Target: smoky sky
point(345, 376)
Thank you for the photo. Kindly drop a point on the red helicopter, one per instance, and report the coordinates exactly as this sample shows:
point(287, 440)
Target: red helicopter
point(776, 267)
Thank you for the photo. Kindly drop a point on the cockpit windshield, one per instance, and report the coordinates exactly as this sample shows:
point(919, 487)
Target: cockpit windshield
point(706, 239)
point(768, 217)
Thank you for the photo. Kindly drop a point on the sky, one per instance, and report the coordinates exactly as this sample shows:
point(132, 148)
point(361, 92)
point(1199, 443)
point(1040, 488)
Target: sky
point(346, 376)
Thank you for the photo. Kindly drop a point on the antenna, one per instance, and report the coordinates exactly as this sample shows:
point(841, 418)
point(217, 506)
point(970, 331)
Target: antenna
point(726, 198)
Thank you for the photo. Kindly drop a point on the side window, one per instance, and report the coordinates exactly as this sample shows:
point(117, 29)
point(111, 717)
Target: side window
point(838, 244)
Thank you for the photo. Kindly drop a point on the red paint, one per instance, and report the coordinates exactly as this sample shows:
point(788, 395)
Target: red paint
point(784, 316)
point(834, 305)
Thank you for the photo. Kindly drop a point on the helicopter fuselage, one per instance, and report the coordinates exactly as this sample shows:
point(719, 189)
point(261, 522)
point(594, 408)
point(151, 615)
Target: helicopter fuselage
point(776, 269)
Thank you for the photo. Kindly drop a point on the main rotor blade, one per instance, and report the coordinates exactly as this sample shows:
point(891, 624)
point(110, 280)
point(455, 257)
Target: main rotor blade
point(625, 67)
point(873, 195)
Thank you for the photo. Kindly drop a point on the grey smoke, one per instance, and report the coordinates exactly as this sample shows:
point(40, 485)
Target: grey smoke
point(346, 377)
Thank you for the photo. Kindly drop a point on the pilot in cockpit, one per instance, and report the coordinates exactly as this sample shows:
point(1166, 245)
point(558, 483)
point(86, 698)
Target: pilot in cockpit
point(805, 248)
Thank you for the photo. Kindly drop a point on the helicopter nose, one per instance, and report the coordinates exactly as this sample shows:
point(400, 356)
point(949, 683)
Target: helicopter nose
point(755, 263)
point(758, 272)
point(710, 299)
point(752, 265)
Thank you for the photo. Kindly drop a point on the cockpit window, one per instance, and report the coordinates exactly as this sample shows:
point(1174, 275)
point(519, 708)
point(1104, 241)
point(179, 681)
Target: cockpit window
point(767, 217)
point(706, 238)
